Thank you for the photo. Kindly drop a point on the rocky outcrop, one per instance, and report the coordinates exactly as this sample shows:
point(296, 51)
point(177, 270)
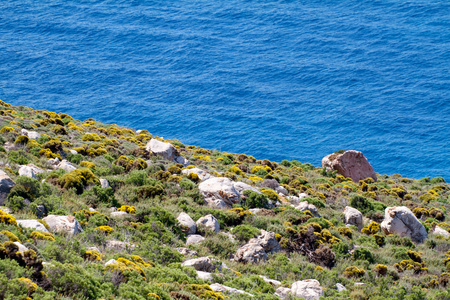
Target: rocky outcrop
point(219, 192)
point(63, 224)
point(303, 206)
point(6, 185)
point(202, 174)
point(351, 164)
point(282, 292)
point(400, 220)
point(208, 222)
point(166, 150)
point(271, 281)
point(204, 264)
point(352, 216)
point(267, 241)
point(33, 224)
point(31, 134)
point(216, 287)
point(186, 221)
point(241, 187)
point(66, 166)
point(194, 239)
point(308, 289)
point(27, 171)
point(250, 253)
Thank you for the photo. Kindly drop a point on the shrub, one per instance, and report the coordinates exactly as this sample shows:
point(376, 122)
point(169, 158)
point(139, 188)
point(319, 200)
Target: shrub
point(255, 200)
point(37, 235)
point(361, 203)
point(78, 179)
point(244, 233)
point(7, 218)
point(88, 164)
point(11, 236)
point(105, 229)
point(363, 254)
point(271, 194)
point(21, 140)
point(354, 272)
point(380, 270)
point(128, 209)
point(150, 191)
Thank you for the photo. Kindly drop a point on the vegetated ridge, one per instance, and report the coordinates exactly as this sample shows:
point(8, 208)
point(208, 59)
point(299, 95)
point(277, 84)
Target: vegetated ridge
point(99, 211)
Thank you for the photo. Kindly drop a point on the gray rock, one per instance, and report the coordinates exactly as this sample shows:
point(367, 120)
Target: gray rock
point(63, 224)
point(340, 287)
point(33, 224)
point(271, 281)
point(241, 187)
point(283, 292)
point(194, 239)
point(186, 251)
point(311, 207)
point(400, 220)
point(209, 222)
point(351, 164)
point(219, 188)
point(119, 246)
point(202, 175)
point(254, 210)
point(227, 290)
point(185, 220)
point(66, 166)
point(440, 231)
point(267, 241)
point(204, 264)
point(31, 134)
point(74, 152)
point(166, 150)
point(119, 214)
point(40, 211)
point(104, 183)
point(281, 190)
point(111, 262)
point(53, 161)
point(250, 253)
point(27, 171)
point(6, 184)
point(204, 275)
point(22, 248)
point(308, 289)
point(352, 216)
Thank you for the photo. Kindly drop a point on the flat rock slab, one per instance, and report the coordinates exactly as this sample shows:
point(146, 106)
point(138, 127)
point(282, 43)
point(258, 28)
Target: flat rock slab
point(63, 224)
point(33, 224)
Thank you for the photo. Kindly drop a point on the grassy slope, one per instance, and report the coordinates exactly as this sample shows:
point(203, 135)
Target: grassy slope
point(159, 193)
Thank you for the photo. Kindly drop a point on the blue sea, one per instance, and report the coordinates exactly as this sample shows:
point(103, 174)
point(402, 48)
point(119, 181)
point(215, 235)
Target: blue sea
point(273, 79)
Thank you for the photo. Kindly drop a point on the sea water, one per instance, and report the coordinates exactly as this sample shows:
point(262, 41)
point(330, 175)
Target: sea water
point(273, 79)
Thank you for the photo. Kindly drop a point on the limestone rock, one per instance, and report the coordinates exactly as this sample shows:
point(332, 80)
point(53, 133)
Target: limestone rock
point(67, 224)
point(6, 209)
point(241, 187)
point(271, 281)
point(6, 185)
point(53, 161)
point(74, 152)
point(119, 214)
point(27, 171)
point(311, 207)
point(351, 164)
point(119, 246)
point(251, 252)
point(352, 216)
point(440, 231)
point(267, 241)
point(254, 210)
point(220, 192)
point(202, 174)
point(166, 150)
point(204, 275)
point(340, 287)
point(31, 134)
point(185, 220)
point(281, 190)
point(33, 224)
point(194, 239)
point(209, 222)
point(111, 262)
point(204, 264)
point(283, 292)
point(66, 166)
point(104, 183)
point(400, 220)
point(308, 289)
point(186, 251)
point(227, 290)
point(22, 248)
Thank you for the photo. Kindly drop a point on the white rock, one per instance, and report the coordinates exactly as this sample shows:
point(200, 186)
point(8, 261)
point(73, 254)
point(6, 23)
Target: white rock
point(308, 289)
point(340, 287)
point(118, 245)
point(241, 187)
point(104, 183)
point(268, 241)
point(283, 292)
point(210, 222)
point(185, 220)
point(111, 262)
point(186, 251)
point(5, 209)
point(229, 236)
point(33, 224)
point(66, 166)
point(74, 152)
point(204, 275)
point(166, 150)
point(271, 281)
point(281, 190)
point(93, 249)
point(251, 252)
point(31, 134)
point(227, 290)
point(254, 210)
point(352, 216)
point(66, 224)
point(302, 196)
point(400, 220)
point(22, 248)
point(311, 207)
point(53, 161)
point(204, 264)
point(119, 214)
point(92, 209)
point(194, 239)
point(202, 175)
point(27, 171)
point(440, 231)
point(219, 188)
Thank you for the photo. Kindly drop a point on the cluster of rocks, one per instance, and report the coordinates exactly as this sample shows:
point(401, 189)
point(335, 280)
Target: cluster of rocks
point(166, 150)
point(307, 289)
point(258, 248)
point(191, 228)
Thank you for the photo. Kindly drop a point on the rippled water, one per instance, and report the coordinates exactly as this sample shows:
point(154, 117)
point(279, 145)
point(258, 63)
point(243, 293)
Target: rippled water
point(274, 79)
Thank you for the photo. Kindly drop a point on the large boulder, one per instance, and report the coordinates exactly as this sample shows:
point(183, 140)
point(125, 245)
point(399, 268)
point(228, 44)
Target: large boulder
point(351, 164)
point(303, 206)
point(267, 241)
point(6, 185)
point(31, 134)
point(166, 150)
point(185, 220)
point(204, 264)
point(33, 224)
point(352, 216)
point(251, 252)
point(400, 220)
point(202, 174)
point(209, 222)
point(308, 289)
point(27, 171)
point(66, 166)
point(194, 239)
point(219, 192)
point(66, 224)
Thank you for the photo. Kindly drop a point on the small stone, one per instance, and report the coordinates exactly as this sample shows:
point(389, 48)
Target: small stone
point(340, 287)
point(194, 239)
point(209, 222)
point(104, 183)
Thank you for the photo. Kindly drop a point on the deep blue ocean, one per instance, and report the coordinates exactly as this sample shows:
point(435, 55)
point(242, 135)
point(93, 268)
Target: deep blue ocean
point(273, 79)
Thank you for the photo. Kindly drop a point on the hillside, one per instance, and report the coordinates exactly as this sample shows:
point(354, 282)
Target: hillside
point(98, 211)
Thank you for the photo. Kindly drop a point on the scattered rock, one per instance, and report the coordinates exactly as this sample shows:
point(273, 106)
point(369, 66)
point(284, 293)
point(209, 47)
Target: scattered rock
point(74, 152)
point(267, 241)
point(271, 281)
point(202, 174)
point(351, 164)
point(283, 292)
point(400, 220)
point(194, 239)
point(27, 171)
point(22, 248)
point(230, 236)
point(281, 190)
point(340, 287)
point(66, 166)
point(250, 253)
point(104, 183)
point(360, 284)
point(166, 150)
point(6, 185)
point(111, 262)
point(185, 220)
point(186, 251)
point(254, 210)
point(440, 231)
point(118, 245)
point(67, 224)
point(227, 290)
point(31, 134)
point(53, 161)
point(311, 207)
point(204, 264)
point(119, 214)
point(308, 289)
point(5, 209)
point(33, 224)
point(204, 275)
point(352, 216)
point(219, 192)
point(93, 249)
point(210, 222)
point(241, 187)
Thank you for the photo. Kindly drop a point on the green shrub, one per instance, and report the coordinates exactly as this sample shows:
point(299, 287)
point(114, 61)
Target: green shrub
point(363, 254)
point(361, 203)
point(78, 179)
point(19, 157)
point(255, 200)
point(244, 233)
